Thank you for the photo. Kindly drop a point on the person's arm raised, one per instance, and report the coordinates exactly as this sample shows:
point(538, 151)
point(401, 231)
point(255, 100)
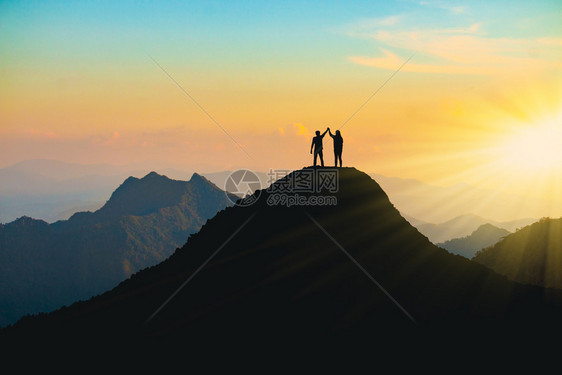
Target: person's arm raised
point(323, 134)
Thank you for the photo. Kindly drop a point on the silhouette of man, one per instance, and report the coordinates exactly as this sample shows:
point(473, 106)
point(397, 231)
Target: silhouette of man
point(317, 145)
point(338, 145)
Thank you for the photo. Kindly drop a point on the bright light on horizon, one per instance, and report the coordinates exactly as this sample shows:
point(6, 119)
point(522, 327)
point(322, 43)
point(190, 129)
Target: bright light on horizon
point(536, 148)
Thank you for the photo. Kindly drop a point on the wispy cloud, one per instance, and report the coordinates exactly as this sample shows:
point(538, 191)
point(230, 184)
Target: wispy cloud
point(301, 130)
point(458, 50)
point(550, 41)
point(115, 137)
point(453, 9)
point(390, 61)
point(43, 134)
point(370, 23)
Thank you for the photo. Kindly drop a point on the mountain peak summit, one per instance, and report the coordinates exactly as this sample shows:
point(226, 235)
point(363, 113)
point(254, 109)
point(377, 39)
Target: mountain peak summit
point(197, 177)
point(152, 175)
point(145, 195)
point(201, 181)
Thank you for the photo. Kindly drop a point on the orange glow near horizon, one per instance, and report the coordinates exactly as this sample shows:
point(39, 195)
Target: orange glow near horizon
point(479, 102)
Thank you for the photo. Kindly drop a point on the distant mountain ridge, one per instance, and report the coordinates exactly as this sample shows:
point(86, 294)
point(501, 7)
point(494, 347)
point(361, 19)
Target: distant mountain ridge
point(532, 255)
point(52, 190)
point(145, 196)
point(43, 266)
point(486, 235)
point(464, 225)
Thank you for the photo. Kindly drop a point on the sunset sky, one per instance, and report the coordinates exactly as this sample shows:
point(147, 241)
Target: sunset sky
point(479, 102)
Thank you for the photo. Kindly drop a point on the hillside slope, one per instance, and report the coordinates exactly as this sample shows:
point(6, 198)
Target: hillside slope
point(532, 255)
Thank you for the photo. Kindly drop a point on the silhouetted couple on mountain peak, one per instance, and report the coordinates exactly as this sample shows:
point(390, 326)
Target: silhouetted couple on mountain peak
point(317, 146)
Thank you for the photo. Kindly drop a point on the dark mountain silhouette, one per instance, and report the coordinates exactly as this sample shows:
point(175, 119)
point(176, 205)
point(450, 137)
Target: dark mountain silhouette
point(464, 225)
point(44, 266)
point(283, 273)
point(52, 190)
point(486, 235)
point(532, 255)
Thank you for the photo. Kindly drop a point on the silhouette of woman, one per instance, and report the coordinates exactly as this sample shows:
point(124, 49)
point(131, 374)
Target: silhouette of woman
point(338, 145)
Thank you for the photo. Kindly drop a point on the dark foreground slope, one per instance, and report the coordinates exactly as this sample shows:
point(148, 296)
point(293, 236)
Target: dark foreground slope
point(44, 266)
point(284, 272)
point(532, 255)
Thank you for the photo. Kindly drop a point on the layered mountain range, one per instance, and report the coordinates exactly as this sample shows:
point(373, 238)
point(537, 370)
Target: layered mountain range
point(486, 235)
point(282, 272)
point(44, 266)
